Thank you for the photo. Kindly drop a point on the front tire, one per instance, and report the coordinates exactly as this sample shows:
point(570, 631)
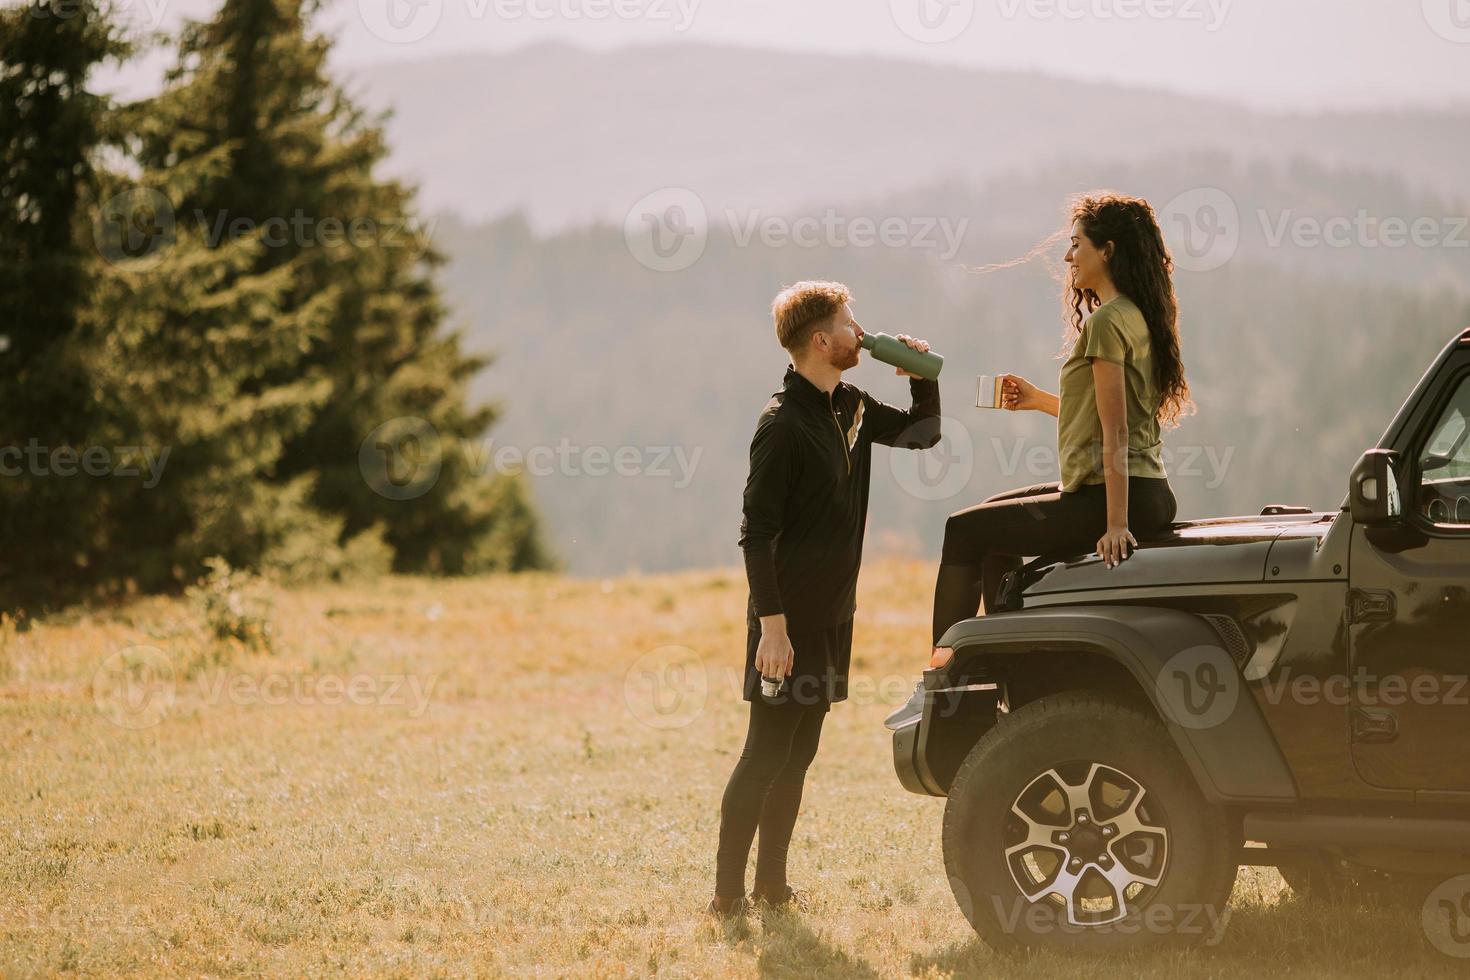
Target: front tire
point(1074, 824)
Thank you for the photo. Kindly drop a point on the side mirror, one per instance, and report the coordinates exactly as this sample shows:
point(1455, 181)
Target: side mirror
point(1373, 493)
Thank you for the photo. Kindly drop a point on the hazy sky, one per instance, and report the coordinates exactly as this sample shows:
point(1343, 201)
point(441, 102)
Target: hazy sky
point(1267, 53)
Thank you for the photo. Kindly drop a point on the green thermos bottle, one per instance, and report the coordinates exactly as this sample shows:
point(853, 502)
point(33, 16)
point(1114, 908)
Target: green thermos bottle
point(891, 350)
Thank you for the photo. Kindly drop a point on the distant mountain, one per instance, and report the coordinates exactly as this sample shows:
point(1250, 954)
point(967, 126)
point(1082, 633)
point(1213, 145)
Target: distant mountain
point(1322, 261)
point(1298, 356)
point(569, 136)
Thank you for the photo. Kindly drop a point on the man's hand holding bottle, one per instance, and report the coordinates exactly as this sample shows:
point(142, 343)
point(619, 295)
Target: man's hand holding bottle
point(774, 656)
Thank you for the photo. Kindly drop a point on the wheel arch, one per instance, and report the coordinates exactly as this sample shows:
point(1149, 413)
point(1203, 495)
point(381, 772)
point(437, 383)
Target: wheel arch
point(1128, 651)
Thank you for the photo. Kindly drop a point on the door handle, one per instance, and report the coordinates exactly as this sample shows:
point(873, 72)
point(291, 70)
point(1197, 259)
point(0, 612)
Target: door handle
point(1374, 725)
point(1370, 606)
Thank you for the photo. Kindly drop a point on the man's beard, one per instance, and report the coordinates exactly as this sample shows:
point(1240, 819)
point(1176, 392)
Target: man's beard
point(844, 361)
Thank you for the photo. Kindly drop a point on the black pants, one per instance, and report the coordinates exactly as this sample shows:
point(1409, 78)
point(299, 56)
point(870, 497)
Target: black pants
point(765, 792)
point(984, 542)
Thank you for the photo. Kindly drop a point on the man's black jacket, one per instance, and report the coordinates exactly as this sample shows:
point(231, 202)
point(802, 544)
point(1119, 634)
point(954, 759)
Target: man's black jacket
point(806, 499)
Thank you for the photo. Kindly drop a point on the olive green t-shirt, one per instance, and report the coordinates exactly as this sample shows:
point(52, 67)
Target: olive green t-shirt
point(1117, 332)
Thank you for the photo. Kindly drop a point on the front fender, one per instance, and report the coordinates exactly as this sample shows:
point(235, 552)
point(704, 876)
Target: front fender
point(1179, 662)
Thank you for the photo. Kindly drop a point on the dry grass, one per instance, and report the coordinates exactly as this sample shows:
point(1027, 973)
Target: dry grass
point(516, 815)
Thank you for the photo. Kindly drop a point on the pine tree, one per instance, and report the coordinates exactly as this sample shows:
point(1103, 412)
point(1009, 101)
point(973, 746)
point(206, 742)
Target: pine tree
point(179, 344)
point(250, 84)
point(51, 126)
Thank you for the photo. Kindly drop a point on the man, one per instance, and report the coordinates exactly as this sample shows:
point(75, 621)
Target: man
point(806, 504)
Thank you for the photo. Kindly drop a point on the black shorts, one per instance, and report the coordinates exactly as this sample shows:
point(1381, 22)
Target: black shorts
point(818, 673)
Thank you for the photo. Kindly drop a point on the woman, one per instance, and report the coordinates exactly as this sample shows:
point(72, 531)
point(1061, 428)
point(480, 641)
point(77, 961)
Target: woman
point(1121, 383)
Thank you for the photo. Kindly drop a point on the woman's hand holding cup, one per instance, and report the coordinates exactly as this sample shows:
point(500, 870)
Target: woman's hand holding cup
point(1019, 395)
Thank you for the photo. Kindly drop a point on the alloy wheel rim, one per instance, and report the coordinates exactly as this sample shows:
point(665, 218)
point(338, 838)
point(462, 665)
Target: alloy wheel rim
point(1088, 839)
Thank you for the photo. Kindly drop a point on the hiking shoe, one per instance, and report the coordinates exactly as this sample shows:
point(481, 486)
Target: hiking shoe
point(727, 908)
point(909, 712)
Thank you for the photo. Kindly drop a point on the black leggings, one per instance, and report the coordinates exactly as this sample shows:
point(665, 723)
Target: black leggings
point(765, 791)
point(984, 542)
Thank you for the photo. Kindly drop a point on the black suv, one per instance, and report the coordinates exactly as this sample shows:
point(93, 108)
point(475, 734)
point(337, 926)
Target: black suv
point(1287, 690)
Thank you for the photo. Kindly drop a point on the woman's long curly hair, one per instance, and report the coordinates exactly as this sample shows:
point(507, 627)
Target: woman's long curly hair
point(1142, 269)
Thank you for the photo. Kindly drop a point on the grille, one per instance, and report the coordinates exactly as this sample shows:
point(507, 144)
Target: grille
point(1231, 636)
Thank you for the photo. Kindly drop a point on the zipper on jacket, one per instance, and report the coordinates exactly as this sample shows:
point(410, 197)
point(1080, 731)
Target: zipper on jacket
point(841, 437)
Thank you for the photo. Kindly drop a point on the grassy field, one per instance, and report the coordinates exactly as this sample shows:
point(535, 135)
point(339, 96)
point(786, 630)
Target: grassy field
point(500, 776)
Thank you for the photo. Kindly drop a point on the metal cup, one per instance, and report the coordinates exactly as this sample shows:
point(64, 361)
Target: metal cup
point(989, 391)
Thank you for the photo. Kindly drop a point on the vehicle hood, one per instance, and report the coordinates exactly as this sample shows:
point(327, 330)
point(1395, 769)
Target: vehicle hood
point(1218, 549)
